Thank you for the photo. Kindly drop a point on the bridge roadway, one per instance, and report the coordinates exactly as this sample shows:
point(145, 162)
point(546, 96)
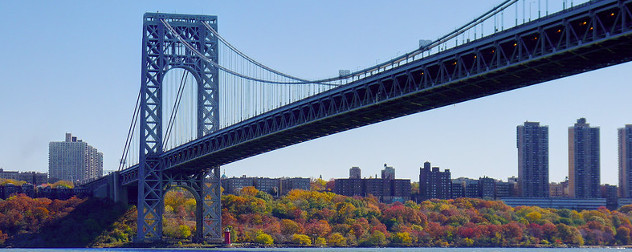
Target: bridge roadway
point(590, 36)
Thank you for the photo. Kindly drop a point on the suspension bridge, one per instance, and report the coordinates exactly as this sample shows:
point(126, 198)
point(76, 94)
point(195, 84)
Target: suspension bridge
point(203, 103)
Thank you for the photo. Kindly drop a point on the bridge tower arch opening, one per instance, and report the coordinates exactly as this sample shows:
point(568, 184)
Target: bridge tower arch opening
point(201, 190)
point(180, 110)
point(163, 51)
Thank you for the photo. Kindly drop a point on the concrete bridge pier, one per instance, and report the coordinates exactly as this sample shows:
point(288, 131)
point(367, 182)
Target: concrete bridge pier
point(110, 187)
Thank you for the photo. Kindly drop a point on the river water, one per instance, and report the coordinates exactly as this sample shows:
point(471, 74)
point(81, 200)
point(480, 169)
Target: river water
point(328, 249)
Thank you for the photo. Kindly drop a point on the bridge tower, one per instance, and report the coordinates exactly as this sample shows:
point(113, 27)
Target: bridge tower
point(163, 51)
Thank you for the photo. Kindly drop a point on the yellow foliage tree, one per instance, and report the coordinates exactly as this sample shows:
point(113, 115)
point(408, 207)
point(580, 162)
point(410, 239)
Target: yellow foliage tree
point(301, 239)
point(337, 240)
point(190, 205)
point(318, 184)
point(320, 242)
point(402, 239)
point(184, 231)
point(12, 182)
point(263, 238)
point(63, 184)
point(249, 191)
point(534, 217)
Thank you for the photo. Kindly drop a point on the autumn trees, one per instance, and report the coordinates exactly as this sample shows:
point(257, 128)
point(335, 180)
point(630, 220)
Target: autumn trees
point(41, 222)
point(313, 218)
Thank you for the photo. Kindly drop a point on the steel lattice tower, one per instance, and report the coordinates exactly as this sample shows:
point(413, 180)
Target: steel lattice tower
point(162, 51)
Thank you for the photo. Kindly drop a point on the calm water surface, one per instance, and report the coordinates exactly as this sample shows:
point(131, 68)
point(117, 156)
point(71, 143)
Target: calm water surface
point(339, 250)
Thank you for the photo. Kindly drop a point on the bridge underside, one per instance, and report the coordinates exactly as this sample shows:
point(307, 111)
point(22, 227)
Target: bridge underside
point(553, 67)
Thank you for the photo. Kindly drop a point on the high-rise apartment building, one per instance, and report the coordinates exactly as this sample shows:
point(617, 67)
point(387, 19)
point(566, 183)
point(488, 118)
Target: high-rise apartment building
point(583, 161)
point(533, 160)
point(74, 160)
point(625, 161)
point(434, 184)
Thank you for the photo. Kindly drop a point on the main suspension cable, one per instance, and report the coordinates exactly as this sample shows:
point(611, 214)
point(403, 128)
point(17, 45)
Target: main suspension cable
point(376, 68)
point(246, 56)
point(215, 64)
point(130, 132)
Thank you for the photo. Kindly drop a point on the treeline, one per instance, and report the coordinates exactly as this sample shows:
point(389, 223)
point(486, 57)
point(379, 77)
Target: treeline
point(58, 184)
point(311, 218)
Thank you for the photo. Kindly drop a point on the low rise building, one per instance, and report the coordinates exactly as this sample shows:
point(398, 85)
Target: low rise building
point(558, 203)
point(504, 189)
point(234, 185)
point(289, 184)
point(458, 190)
point(349, 187)
point(487, 188)
point(610, 193)
point(273, 186)
point(35, 178)
point(387, 189)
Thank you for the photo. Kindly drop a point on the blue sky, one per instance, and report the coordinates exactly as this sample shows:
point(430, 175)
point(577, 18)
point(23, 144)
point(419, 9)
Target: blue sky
point(74, 66)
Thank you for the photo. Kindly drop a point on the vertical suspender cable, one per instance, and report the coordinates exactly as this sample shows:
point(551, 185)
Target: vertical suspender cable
point(176, 105)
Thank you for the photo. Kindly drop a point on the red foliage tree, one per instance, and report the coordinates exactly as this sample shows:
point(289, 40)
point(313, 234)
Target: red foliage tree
point(319, 228)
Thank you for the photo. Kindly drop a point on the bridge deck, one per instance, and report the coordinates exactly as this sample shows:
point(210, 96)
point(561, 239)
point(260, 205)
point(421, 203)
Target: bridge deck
point(590, 36)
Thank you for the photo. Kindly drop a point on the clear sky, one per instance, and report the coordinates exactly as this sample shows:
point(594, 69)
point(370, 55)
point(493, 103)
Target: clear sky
point(74, 66)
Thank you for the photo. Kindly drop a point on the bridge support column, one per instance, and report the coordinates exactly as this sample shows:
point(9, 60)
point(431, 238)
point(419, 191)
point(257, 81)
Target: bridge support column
point(208, 216)
point(150, 201)
point(205, 187)
point(118, 192)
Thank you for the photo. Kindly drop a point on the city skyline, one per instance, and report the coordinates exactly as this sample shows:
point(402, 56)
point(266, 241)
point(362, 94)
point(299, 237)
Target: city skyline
point(67, 45)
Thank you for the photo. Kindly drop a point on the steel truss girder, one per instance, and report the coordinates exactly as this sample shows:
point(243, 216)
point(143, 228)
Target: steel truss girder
point(590, 36)
point(129, 176)
point(162, 51)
